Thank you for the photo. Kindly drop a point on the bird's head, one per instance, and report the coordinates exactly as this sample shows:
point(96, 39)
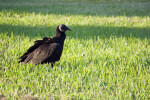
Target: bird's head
point(63, 28)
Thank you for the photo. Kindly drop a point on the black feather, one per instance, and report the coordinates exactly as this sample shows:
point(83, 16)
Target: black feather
point(47, 50)
point(37, 43)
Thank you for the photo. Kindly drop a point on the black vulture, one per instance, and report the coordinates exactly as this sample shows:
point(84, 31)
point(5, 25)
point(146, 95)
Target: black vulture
point(48, 50)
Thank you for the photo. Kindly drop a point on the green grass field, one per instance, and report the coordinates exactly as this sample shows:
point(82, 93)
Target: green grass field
point(106, 56)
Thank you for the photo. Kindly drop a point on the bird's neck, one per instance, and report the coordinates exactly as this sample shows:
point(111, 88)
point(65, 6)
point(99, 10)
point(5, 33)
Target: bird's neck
point(59, 36)
point(59, 33)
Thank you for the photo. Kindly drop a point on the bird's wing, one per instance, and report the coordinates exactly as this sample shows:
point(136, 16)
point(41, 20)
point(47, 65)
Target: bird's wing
point(42, 53)
point(37, 43)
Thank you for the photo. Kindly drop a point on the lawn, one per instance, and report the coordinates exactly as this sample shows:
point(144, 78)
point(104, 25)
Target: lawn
point(105, 56)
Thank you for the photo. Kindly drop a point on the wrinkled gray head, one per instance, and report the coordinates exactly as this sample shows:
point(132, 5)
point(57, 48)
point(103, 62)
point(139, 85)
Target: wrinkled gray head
point(63, 28)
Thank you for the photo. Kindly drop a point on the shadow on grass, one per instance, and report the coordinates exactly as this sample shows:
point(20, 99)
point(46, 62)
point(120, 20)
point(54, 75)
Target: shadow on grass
point(79, 32)
point(78, 8)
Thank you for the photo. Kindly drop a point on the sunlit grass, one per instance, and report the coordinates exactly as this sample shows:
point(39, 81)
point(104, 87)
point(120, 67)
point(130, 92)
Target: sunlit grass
point(32, 19)
point(106, 56)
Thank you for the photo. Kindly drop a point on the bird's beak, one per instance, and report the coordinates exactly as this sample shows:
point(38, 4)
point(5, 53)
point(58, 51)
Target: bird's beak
point(69, 29)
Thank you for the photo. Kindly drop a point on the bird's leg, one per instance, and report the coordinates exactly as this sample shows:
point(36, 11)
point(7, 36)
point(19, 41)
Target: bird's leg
point(52, 64)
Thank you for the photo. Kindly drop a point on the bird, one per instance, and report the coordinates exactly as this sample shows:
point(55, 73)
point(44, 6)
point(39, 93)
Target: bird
point(48, 50)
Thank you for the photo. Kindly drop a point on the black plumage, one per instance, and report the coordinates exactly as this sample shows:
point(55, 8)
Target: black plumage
point(48, 50)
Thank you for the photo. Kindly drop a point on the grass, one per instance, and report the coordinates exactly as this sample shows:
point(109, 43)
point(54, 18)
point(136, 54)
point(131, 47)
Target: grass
point(106, 56)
